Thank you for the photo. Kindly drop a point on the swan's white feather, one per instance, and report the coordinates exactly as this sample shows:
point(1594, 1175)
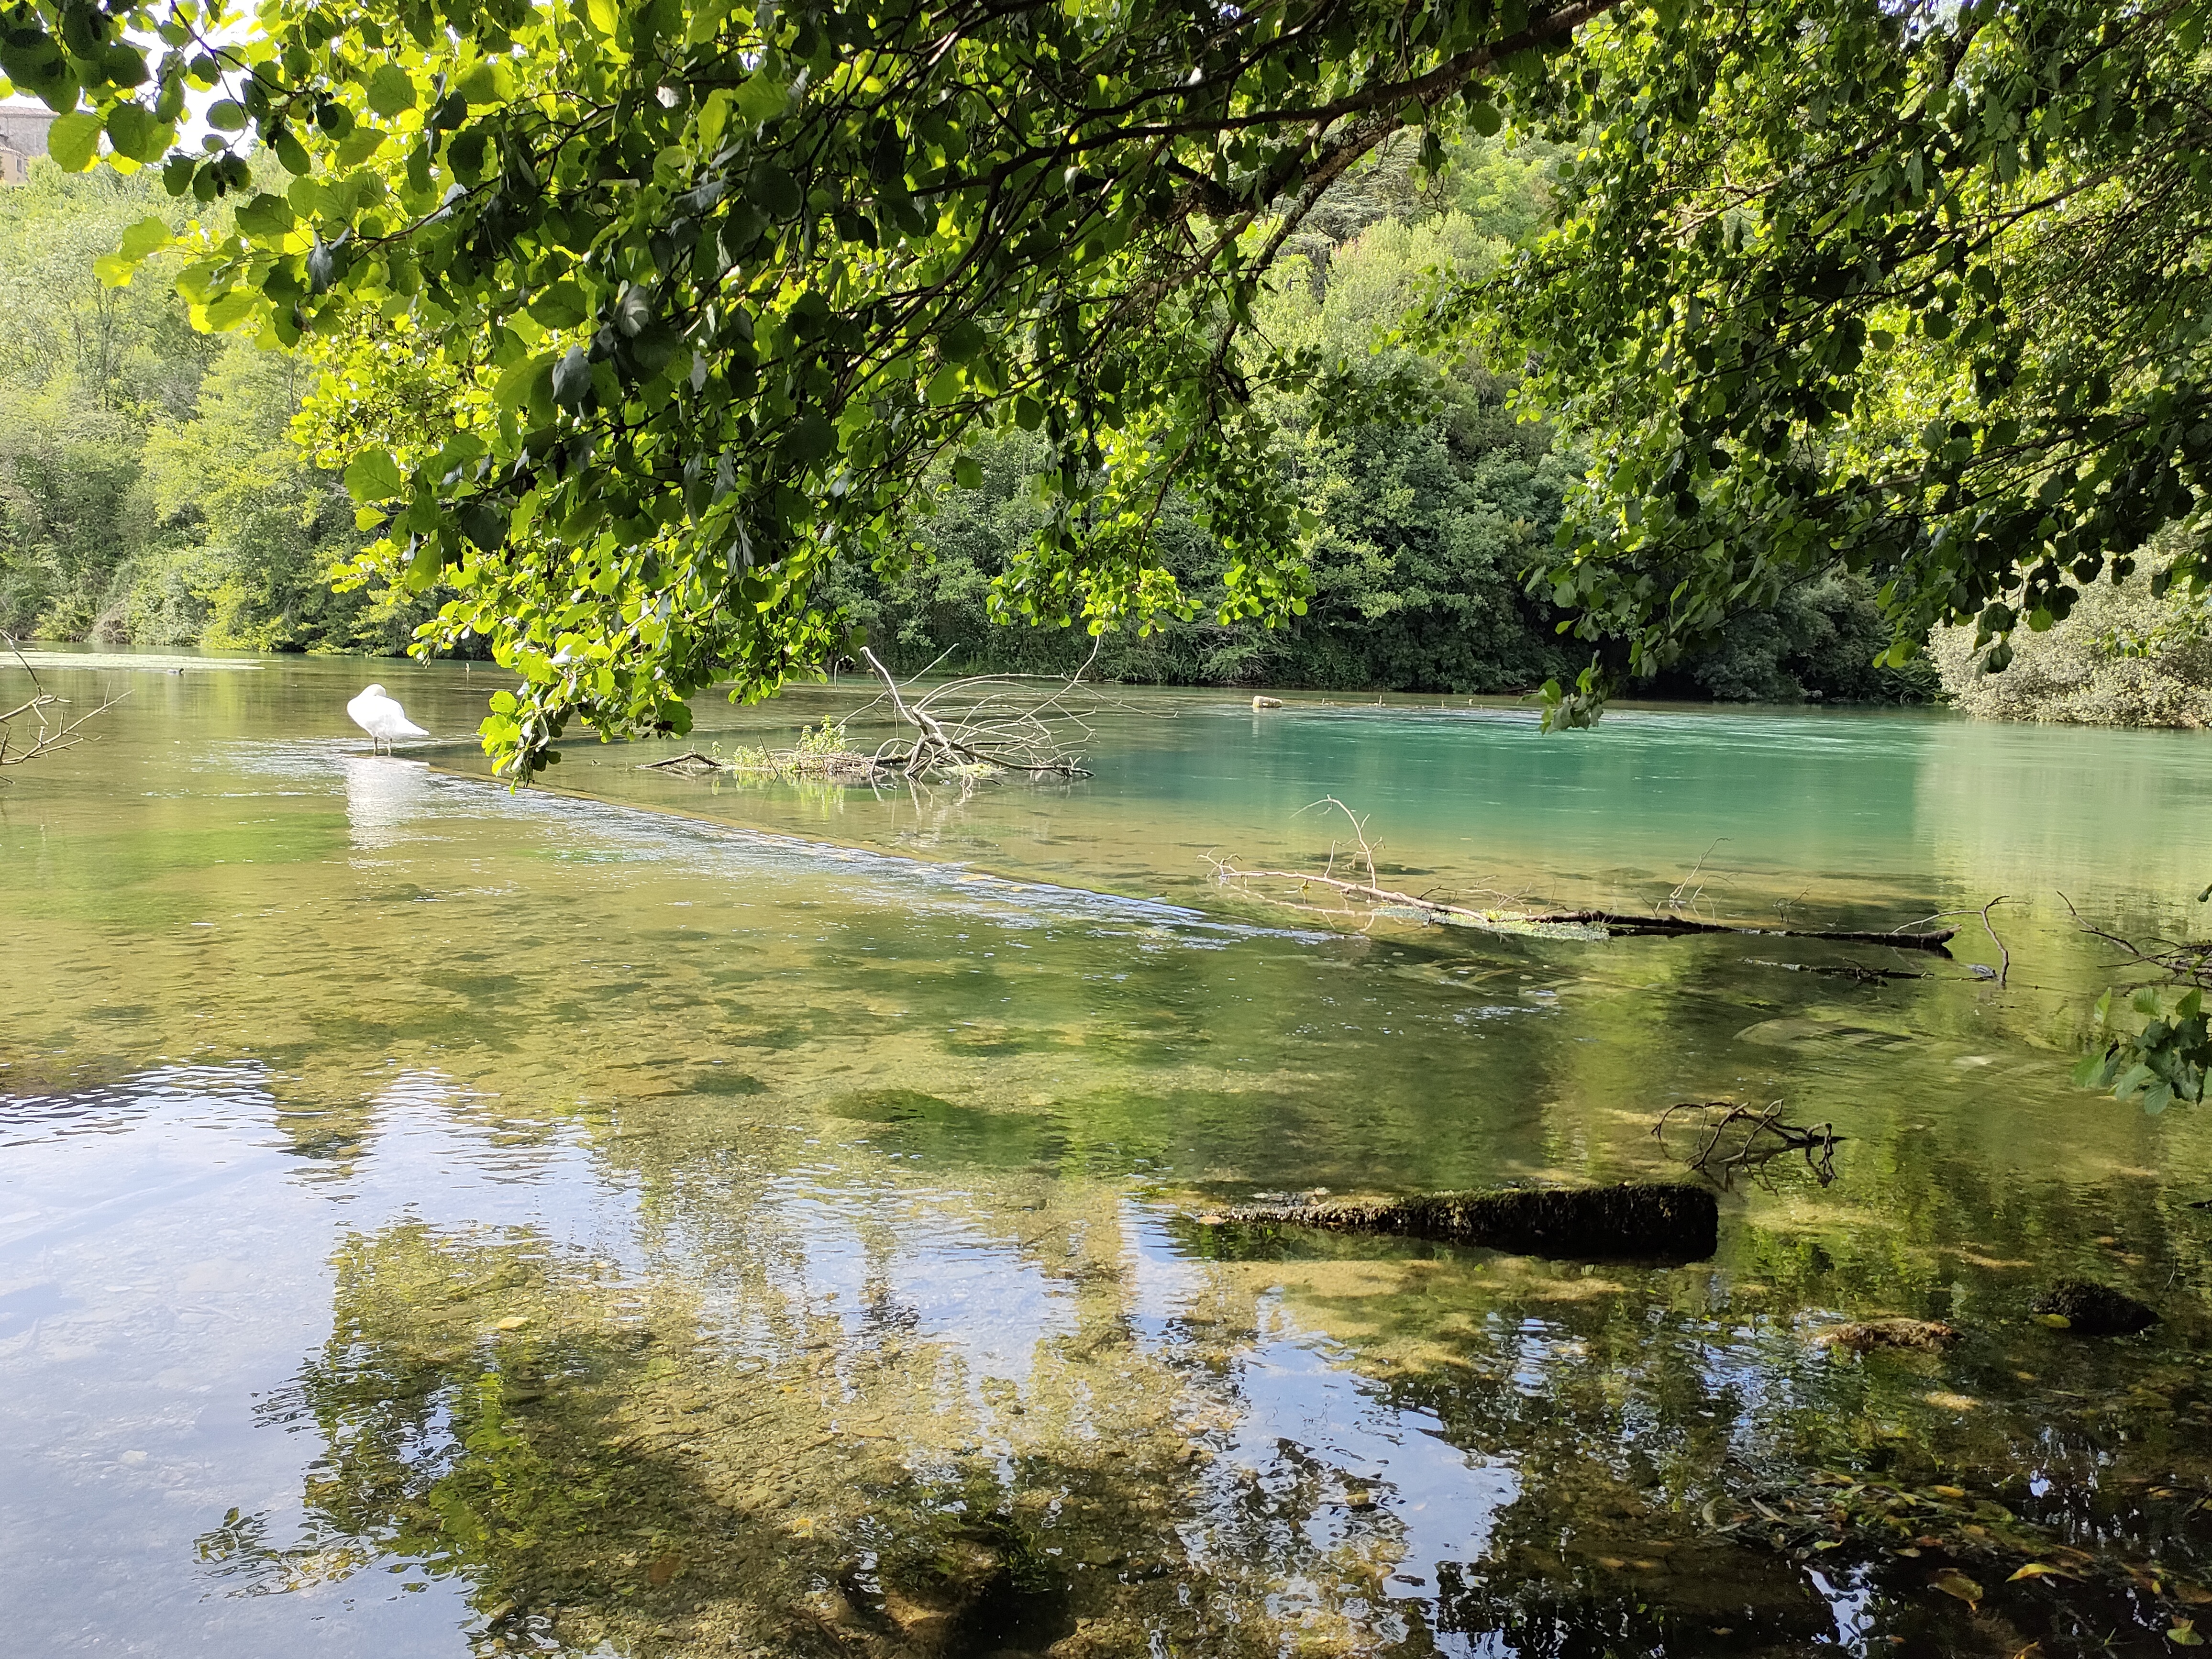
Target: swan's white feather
point(381, 716)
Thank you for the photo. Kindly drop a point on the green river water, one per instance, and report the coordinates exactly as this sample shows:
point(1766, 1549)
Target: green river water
point(656, 1216)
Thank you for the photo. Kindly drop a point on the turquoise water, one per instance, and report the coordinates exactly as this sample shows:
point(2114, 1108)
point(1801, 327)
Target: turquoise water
point(666, 1216)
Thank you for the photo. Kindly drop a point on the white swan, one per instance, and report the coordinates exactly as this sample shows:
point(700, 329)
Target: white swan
point(382, 718)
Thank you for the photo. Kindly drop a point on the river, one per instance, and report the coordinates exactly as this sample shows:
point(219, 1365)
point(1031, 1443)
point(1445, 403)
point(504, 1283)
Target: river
point(657, 1217)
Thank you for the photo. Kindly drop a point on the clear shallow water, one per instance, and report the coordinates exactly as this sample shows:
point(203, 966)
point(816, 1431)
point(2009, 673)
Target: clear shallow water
point(434, 1220)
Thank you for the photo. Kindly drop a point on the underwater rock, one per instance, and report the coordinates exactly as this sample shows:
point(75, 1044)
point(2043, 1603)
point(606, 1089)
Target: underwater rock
point(1636, 1220)
point(1267, 703)
point(2092, 1309)
point(1863, 1335)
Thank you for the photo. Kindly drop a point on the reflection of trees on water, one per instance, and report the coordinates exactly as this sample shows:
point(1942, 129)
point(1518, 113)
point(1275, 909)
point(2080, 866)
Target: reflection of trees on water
point(798, 1430)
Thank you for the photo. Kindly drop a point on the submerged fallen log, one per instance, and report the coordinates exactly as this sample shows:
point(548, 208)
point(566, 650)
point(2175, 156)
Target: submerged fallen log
point(1565, 924)
point(1636, 1220)
point(1615, 922)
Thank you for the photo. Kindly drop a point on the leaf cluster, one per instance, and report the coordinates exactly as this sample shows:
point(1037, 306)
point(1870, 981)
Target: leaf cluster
point(1914, 290)
point(2165, 1061)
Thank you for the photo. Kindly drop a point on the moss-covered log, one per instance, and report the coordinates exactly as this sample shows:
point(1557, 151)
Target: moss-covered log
point(1636, 1220)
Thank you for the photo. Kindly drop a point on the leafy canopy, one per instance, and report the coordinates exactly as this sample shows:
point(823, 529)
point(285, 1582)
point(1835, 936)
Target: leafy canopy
point(1914, 287)
point(719, 286)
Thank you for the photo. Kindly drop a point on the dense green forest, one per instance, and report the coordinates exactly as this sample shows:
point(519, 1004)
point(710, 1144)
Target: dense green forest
point(153, 491)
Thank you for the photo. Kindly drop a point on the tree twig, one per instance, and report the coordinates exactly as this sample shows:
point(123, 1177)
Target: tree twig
point(53, 734)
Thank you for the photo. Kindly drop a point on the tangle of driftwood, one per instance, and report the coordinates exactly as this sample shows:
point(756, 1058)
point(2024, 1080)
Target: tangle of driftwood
point(984, 720)
point(2187, 960)
point(1760, 1138)
point(967, 729)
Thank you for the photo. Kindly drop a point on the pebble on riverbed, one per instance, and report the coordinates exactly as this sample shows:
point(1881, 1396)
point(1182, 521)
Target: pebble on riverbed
point(2092, 1309)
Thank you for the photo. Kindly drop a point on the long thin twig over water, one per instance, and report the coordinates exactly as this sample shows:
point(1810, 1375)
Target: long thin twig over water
point(55, 731)
point(1745, 1139)
point(2004, 955)
point(2187, 960)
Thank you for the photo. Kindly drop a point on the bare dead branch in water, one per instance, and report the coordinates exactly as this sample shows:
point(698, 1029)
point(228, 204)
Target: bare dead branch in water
point(1850, 970)
point(2186, 960)
point(995, 721)
point(1688, 890)
point(55, 731)
point(1735, 1139)
point(1388, 903)
point(2005, 969)
point(1677, 925)
point(966, 729)
point(835, 768)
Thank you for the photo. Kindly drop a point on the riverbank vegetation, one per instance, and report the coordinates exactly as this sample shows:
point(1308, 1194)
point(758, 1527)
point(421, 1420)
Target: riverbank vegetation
point(2126, 654)
point(151, 489)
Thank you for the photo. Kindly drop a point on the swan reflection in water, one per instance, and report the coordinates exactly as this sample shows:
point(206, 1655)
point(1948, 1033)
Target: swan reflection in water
point(383, 797)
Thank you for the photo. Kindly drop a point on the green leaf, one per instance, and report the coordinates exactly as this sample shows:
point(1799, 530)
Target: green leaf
point(74, 140)
point(480, 85)
point(775, 191)
point(811, 438)
point(761, 97)
point(359, 145)
point(1486, 119)
point(572, 378)
point(148, 236)
point(132, 129)
point(266, 215)
point(373, 476)
point(123, 64)
point(561, 305)
point(422, 569)
point(520, 380)
point(390, 90)
point(228, 311)
point(960, 343)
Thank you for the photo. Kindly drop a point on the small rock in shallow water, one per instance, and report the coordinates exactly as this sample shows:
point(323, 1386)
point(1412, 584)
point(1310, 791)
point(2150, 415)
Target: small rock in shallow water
point(2094, 1310)
point(1862, 1336)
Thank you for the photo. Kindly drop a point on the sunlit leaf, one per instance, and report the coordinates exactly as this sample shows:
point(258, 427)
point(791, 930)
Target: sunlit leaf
point(73, 140)
point(1953, 1582)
